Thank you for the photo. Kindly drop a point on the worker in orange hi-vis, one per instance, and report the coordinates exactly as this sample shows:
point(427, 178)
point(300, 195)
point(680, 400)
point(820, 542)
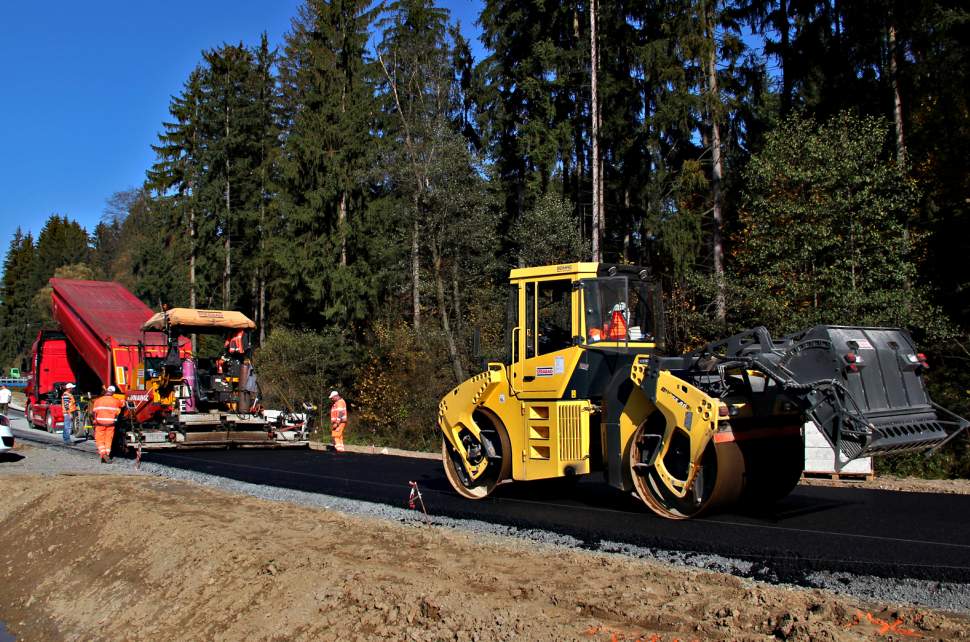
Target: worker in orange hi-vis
point(234, 342)
point(338, 420)
point(106, 409)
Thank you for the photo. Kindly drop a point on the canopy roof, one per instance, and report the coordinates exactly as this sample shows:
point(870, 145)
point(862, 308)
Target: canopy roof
point(200, 320)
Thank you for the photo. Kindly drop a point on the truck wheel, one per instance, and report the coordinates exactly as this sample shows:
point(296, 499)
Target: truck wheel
point(29, 413)
point(49, 421)
point(719, 483)
point(499, 466)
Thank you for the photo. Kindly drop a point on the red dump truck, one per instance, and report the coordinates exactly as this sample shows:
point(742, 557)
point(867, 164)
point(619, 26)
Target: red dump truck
point(107, 336)
point(99, 342)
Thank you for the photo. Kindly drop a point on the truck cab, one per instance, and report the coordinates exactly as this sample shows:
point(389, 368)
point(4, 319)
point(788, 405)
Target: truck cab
point(54, 362)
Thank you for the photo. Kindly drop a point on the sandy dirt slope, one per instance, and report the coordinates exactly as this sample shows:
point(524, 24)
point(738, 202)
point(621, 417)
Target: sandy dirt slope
point(108, 556)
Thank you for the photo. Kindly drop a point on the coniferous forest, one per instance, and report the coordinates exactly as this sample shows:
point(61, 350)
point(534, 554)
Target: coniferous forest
point(362, 191)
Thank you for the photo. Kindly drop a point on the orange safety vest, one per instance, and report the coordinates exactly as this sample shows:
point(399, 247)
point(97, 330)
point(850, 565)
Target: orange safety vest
point(235, 343)
point(338, 412)
point(617, 327)
point(106, 410)
point(67, 402)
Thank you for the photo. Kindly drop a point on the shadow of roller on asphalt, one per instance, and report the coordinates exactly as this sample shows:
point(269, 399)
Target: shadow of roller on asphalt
point(11, 458)
point(789, 507)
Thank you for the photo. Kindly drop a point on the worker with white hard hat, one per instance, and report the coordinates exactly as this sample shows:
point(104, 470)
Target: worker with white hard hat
point(338, 420)
point(69, 407)
point(106, 409)
point(5, 396)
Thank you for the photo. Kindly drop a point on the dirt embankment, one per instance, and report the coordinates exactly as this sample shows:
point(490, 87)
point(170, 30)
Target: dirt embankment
point(132, 557)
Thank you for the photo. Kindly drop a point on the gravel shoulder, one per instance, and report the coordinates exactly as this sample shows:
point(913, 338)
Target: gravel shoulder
point(106, 552)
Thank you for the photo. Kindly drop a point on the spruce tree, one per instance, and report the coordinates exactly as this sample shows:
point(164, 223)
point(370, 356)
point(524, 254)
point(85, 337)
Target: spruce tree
point(323, 259)
point(61, 242)
point(177, 177)
point(20, 282)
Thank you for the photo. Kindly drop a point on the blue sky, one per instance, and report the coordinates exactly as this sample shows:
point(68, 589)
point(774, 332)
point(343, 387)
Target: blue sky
point(86, 86)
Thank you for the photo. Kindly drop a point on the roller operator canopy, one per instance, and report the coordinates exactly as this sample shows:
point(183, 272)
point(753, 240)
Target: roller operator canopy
point(199, 321)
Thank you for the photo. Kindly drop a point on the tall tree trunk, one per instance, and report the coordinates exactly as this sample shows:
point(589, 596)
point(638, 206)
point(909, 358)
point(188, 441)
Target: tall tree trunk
point(443, 310)
point(599, 195)
point(261, 270)
point(193, 250)
point(580, 159)
point(897, 98)
point(227, 244)
point(456, 293)
point(717, 169)
point(262, 308)
point(192, 257)
point(342, 213)
point(597, 230)
point(254, 294)
point(629, 226)
point(416, 269)
point(194, 338)
point(786, 78)
point(227, 273)
point(342, 227)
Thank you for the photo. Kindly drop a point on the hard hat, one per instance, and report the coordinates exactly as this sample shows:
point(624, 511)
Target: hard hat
point(334, 393)
point(110, 389)
point(69, 386)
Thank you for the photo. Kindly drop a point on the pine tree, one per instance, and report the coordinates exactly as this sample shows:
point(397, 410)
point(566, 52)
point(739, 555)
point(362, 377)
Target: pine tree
point(324, 261)
point(265, 92)
point(20, 282)
point(230, 125)
point(177, 176)
point(61, 242)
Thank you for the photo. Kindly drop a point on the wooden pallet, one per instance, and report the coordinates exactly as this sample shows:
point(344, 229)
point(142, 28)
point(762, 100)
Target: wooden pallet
point(844, 476)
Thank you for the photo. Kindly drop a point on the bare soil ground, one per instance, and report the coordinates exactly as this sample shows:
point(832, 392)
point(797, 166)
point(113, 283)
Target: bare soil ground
point(91, 555)
point(906, 484)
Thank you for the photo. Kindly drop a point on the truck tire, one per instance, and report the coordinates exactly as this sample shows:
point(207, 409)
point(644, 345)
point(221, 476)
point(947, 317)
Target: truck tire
point(49, 424)
point(29, 414)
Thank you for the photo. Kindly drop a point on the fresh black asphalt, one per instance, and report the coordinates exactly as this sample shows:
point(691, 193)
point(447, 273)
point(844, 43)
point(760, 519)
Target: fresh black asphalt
point(872, 532)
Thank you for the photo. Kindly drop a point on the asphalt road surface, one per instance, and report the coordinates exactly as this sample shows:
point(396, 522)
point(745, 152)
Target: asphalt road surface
point(872, 532)
point(884, 533)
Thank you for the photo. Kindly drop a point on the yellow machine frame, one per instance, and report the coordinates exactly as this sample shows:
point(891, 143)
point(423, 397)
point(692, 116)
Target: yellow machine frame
point(547, 420)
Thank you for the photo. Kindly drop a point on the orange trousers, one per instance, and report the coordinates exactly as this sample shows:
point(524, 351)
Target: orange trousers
point(103, 436)
point(337, 432)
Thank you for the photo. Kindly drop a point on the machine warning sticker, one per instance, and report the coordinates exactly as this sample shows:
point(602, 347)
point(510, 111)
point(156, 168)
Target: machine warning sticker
point(559, 366)
point(544, 371)
point(864, 344)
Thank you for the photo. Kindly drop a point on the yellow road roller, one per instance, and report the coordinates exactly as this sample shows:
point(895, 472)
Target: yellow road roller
point(587, 386)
